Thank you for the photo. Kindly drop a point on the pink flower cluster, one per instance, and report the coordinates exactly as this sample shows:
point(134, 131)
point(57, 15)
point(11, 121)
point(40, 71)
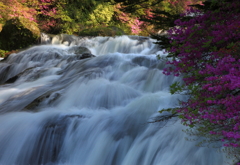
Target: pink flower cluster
point(47, 7)
point(206, 52)
point(17, 9)
point(134, 23)
point(48, 11)
point(136, 26)
point(43, 12)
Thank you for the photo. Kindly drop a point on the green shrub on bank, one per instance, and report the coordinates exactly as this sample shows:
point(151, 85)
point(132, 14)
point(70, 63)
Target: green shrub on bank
point(15, 35)
point(2, 53)
point(102, 31)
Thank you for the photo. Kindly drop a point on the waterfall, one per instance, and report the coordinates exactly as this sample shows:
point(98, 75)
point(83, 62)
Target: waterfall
point(59, 108)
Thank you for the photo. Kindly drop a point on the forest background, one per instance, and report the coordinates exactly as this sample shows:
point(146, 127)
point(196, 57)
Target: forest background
point(202, 39)
point(22, 21)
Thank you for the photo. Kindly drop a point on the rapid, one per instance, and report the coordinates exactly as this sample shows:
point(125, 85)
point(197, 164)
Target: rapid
point(59, 108)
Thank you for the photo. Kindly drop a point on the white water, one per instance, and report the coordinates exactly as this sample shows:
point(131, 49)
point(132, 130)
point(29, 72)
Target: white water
point(95, 111)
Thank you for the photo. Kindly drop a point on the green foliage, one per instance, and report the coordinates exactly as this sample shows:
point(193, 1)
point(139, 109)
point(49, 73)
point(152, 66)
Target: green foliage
point(75, 16)
point(2, 53)
point(176, 87)
point(85, 17)
point(102, 31)
point(136, 7)
point(18, 28)
point(101, 15)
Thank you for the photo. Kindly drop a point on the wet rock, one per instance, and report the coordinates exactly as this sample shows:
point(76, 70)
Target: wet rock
point(4, 72)
point(48, 97)
point(79, 50)
point(87, 55)
point(12, 80)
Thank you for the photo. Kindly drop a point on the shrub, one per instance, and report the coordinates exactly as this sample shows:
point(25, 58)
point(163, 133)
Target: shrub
point(205, 50)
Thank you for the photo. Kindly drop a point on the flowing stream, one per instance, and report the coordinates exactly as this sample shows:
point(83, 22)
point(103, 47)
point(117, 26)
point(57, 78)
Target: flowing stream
point(58, 108)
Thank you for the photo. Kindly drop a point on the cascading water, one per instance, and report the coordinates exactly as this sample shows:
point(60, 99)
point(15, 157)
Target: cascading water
point(56, 108)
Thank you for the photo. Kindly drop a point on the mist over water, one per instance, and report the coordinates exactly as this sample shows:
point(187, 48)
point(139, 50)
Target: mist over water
point(59, 109)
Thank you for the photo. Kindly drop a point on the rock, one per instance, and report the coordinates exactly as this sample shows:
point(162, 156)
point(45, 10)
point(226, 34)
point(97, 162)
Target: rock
point(81, 50)
point(84, 56)
point(48, 97)
point(78, 50)
point(87, 55)
point(17, 34)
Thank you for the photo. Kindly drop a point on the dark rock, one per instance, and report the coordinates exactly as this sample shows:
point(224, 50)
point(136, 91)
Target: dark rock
point(4, 73)
point(79, 50)
point(50, 96)
point(87, 55)
point(12, 80)
point(17, 34)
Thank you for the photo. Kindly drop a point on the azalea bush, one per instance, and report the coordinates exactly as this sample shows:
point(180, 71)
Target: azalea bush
point(133, 24)
point(205, 51)
point(144, 17)
point(19, 10)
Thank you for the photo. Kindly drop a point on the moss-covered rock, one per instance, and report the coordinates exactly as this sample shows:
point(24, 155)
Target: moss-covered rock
point(18, 34)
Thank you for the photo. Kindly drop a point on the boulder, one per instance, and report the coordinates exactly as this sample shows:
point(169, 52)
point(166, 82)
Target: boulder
point(79, 50)
point(17, 34)
point(87, 55)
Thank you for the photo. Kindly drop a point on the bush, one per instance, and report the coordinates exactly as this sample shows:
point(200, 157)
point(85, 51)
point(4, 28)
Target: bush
point(102, 31)
point(205, 49)
point(15, 36)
